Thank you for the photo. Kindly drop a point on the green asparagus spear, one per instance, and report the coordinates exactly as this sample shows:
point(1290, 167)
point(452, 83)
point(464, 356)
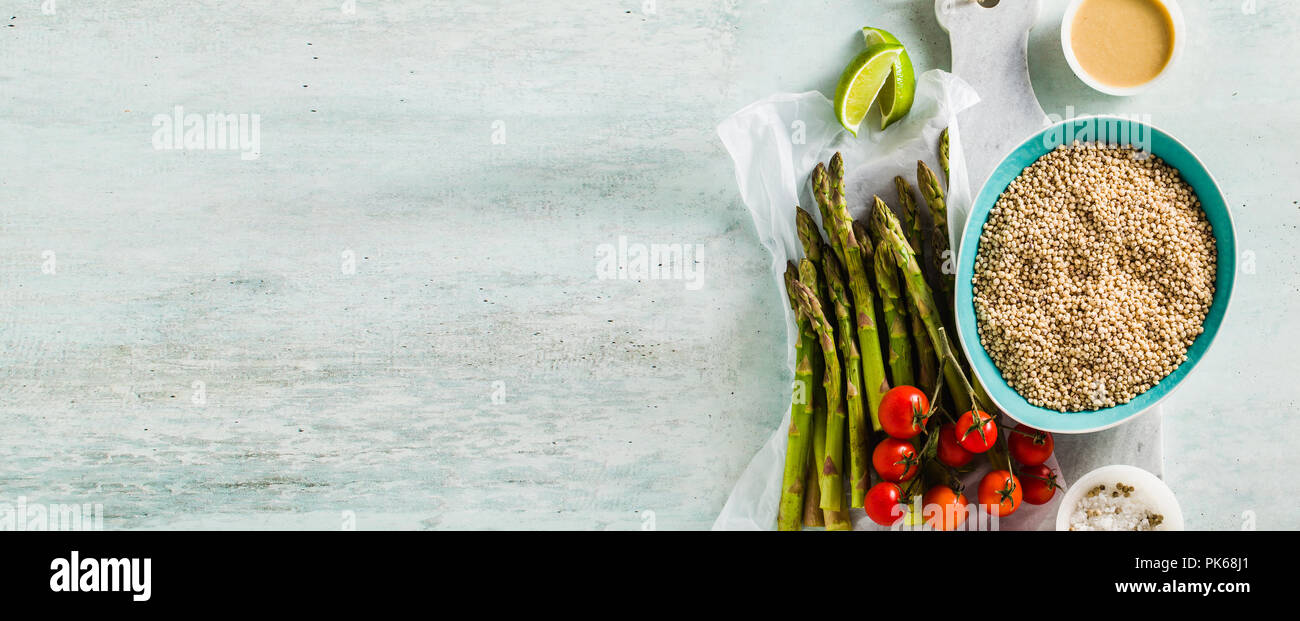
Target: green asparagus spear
point(798, 435)
point(813, 514)
point(809, 236)
point(821, 187)
point(831, 471)
point(943, 258)
point(865, 242)
point(812, 247)
point(835, 519)
point(838, 519)
point(943, 155)
point(858, 458)
point(887, 226)
point(900, 348)
point(867, 245)
point(911, 216)
point(812, 494)
point(815, 249)
point(978, 393)
point(829, 191)
point(858, 426)
point(927, 364)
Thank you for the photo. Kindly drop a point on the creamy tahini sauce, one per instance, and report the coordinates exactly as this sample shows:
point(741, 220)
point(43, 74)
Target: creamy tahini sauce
point(1122, 42)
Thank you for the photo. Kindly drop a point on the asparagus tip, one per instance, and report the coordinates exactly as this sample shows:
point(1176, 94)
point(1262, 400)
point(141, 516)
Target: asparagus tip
point(924, 175)
point(808, 235)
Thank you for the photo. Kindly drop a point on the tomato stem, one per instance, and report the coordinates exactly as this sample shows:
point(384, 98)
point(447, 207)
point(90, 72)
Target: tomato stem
point(951, 358)
point(1039, 437)
point(1049, 481)
point(934, 402)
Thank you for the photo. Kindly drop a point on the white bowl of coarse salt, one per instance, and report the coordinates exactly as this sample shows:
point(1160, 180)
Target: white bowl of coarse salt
point(1119, 497)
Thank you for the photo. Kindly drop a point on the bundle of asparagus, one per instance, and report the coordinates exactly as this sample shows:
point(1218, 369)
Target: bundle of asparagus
point(866, 276)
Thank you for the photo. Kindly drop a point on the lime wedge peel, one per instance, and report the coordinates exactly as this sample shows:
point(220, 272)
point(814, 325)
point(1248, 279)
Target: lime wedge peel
point(862, 81)
point(897, 95)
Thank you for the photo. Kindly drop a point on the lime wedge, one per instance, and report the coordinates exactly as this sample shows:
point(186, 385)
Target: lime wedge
point(862, 81)
point(897, 95)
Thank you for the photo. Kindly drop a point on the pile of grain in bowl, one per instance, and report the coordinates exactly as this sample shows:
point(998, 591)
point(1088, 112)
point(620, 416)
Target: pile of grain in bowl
point(1113, 509)
point(1094, 274)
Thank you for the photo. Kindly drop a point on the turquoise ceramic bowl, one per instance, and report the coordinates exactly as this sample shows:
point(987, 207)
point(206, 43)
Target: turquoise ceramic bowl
point(1114, 130)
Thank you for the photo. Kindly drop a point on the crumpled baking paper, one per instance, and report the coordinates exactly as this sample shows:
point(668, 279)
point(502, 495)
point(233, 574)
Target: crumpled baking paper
point(775, 143)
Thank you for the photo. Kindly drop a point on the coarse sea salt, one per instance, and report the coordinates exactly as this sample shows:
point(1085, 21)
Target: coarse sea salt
point(1113, 508)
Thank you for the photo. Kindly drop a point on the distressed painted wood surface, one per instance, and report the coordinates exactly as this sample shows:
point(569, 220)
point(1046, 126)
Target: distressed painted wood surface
point(394, 317)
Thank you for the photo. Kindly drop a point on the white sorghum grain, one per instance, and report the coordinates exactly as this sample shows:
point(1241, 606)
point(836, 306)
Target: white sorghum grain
point(1094, 274)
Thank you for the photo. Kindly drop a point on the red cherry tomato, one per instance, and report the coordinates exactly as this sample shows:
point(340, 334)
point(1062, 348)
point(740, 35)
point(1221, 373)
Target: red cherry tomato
point(884, 503)
point(903, 412)
point(943, 509)
point(1039, 483)
point(976, 431)
point(950, 451)
point(1030, 446)
point(896, 460)
point(1000, 493)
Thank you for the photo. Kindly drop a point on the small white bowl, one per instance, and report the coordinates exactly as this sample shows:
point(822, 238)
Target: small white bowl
point(1149, 489)
point(1067, 23)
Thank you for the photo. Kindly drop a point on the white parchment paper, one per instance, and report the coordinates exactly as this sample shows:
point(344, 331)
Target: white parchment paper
point(775, 143)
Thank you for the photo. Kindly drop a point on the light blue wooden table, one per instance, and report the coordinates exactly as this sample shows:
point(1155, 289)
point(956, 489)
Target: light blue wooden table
point(394, 317)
